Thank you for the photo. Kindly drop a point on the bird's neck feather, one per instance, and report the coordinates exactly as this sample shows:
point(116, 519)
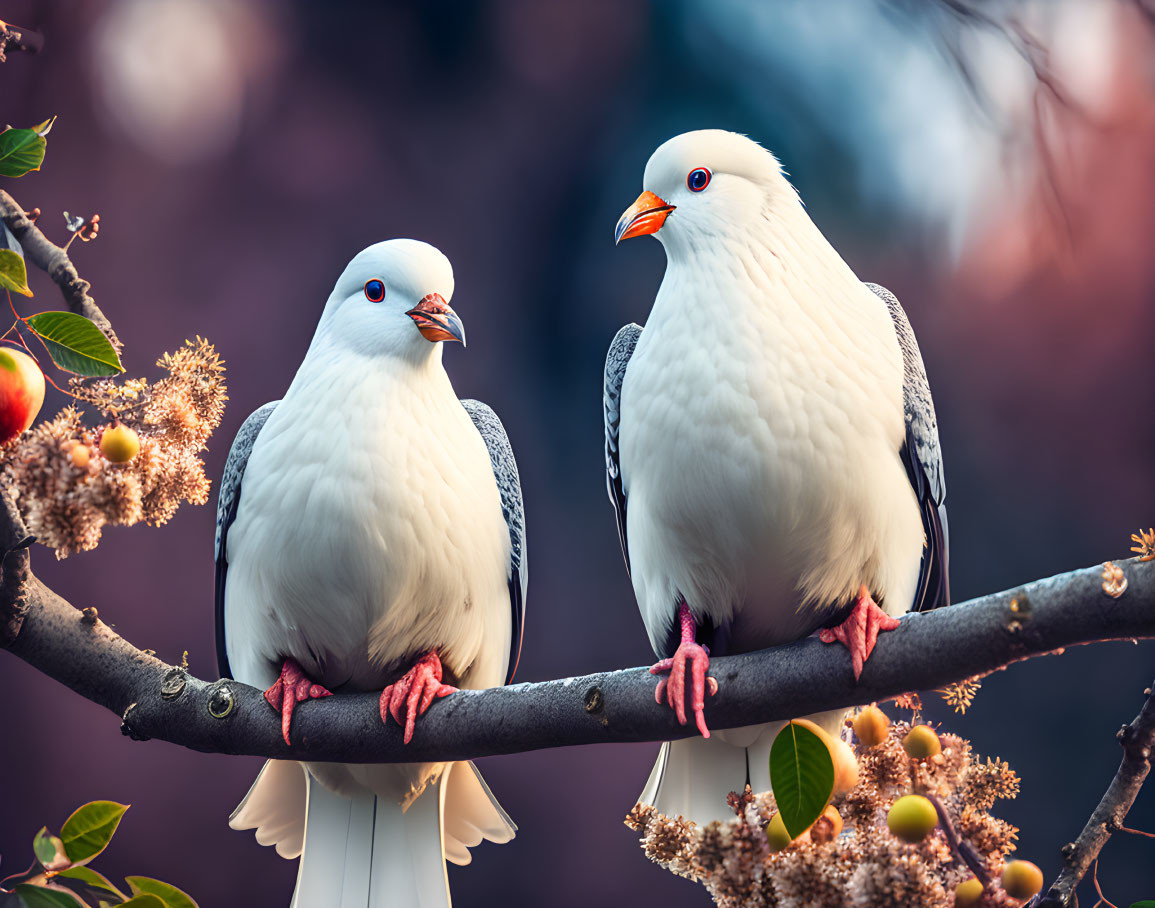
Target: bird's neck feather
point(331, 365)
point(780, 258)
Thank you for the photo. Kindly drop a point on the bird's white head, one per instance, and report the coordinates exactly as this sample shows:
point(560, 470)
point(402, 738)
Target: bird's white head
point(393, 298)
point(706, 184)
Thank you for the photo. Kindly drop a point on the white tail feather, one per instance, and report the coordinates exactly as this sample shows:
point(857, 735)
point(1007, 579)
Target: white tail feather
point(360, 850)
point(692, 777)
point(275, 807)
point(472, 813)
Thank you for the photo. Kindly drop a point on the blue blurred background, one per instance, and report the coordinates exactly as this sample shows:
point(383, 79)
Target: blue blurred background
point(240, 151)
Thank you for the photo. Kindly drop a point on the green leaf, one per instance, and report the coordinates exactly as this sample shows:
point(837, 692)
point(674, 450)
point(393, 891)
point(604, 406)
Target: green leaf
point(145, 900)
point(13, 274)
point(1146, 903)
point(88, 831)
point(75, 343)
point(49, 850)
point(40, 897)
point(802, 776)
point(91, 878)
point(170, 895)
point(21, 151)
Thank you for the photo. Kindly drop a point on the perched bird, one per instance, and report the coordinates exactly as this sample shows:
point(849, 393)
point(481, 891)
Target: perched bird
point(771, 449)
point(370, 535)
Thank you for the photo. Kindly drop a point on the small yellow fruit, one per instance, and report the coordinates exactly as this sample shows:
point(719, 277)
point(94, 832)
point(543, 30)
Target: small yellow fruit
point(841, 755)
point(119, 444)
point(921, 742)
point(80, 456)
point(827, 827)
point(871, 726)
point(968, 893)
point(776, 833)
point(1022, 879)
point(911, 817)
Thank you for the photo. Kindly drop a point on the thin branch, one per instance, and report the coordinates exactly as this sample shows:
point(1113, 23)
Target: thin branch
point(54, 261)
point(156, 700)
point(1103, 900)
point(16, 37)
point(1137, 739)
point(962, 848)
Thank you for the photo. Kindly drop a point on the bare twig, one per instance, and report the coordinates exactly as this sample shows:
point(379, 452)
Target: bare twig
point(1103, 900)
point(15, 37)
point(54, 261)
point(1050, 96)
point(962, 848)
point(1137, 739)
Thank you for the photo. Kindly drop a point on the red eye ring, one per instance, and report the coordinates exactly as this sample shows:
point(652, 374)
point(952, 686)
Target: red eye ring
point(698, 179)
point(374, 290)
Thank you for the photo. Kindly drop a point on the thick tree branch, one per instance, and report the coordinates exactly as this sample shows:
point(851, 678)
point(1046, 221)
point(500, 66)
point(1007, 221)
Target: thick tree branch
point(1138, 740)
point(157, 700)
point(54, 261)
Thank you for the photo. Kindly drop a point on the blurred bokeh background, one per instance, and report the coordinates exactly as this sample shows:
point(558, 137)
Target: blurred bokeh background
point(240, 151)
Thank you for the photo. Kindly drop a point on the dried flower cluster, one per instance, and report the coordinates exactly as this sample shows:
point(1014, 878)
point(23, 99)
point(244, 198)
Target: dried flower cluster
point(960, 695)
point(66, 499)
point(866, 865)
point(1114, 580)
point(1144, 546)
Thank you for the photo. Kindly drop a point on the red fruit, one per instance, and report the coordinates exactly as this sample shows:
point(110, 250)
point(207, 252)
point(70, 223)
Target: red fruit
point(21, 392)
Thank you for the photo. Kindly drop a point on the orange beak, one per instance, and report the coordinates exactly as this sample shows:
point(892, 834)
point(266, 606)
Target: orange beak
point(436, 321)
point(646, 215)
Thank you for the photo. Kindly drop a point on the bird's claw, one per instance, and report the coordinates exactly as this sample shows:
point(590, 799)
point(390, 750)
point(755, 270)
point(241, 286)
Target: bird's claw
point(672, 691)
point(415, 690)
point(291, 688)
point(859, 632)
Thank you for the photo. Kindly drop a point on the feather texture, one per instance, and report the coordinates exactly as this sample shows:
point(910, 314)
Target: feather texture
point(770, 441)
point(365, 520)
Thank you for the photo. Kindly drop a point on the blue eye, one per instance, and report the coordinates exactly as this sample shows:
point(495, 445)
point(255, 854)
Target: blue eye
point(374, 291)
point(698, 179)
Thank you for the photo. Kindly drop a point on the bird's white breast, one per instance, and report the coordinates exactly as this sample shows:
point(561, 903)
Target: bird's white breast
point(762, 419)
point(369, 531)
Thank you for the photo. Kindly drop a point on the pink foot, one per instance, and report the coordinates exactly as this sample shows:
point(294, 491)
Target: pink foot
point(859, 632)
point(289, 690)
point(414, 690)
point(673, 690)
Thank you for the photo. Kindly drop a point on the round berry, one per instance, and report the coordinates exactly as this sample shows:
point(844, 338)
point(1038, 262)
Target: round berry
point(967, 893)
point(1022, 879)
point(80, 455)
point(119, 444)
point(776, 833)
point(827, 827)
point(871, 726)
point(921, 742)
point(911, 817)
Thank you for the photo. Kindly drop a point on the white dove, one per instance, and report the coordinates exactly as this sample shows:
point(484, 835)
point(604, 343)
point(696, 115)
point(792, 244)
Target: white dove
point(771, 449)
point(370, 535)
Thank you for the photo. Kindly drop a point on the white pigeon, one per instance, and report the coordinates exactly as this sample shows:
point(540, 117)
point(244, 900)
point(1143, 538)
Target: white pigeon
point(771, 449)
point(370, 535)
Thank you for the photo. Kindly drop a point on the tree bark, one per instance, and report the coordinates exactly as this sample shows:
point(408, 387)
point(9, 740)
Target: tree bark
point(156, 700)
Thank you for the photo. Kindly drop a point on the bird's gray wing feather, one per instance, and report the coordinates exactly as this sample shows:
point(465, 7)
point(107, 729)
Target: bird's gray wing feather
point(922, 457)
point(617, 359)
point(509, 488)
point(228, 498)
